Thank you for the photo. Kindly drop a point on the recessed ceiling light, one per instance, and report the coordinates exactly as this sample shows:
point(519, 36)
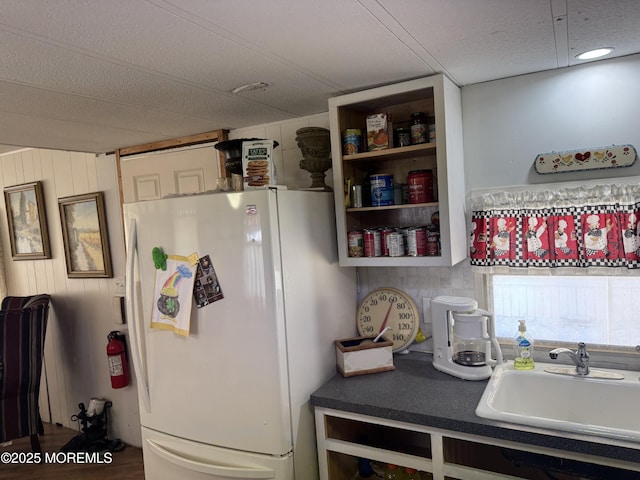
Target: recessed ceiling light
point(250, 86)
point(597, 53)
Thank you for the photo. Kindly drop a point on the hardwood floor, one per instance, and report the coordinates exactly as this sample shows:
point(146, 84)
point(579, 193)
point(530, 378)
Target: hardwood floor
point(125, 465)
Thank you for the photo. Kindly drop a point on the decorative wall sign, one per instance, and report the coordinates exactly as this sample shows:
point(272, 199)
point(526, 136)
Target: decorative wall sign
point(615, 156)
point(27, 220)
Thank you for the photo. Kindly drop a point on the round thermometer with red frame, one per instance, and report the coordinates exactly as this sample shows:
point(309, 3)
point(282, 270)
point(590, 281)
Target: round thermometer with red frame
point(389, 307)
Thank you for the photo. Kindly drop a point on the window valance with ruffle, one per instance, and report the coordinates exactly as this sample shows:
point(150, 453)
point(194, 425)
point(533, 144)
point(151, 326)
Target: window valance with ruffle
point(571, 227)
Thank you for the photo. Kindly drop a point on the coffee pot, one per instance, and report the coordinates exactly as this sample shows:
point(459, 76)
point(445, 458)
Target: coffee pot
point(462, 338)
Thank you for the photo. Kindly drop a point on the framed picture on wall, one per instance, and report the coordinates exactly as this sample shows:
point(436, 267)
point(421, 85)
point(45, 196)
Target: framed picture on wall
point(85, 236)
point(27, 220)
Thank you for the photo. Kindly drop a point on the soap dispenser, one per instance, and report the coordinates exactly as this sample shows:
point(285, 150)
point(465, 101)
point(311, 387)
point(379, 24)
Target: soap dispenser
point(523, 349)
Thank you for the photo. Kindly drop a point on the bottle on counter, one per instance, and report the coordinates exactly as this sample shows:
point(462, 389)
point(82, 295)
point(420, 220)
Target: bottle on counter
point(523, 349)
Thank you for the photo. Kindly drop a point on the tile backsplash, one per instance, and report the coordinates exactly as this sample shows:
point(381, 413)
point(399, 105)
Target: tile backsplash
point(420, 282)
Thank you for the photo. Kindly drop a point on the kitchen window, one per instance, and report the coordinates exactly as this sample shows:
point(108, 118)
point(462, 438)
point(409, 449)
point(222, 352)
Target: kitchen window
point(598, 310)
point(566, 258)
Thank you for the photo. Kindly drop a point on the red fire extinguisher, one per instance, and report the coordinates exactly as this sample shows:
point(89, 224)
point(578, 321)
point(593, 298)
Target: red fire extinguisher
point(117, 355)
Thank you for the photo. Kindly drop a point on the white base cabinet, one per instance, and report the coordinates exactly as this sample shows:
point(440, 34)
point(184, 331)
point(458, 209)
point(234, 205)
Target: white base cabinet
point(446, 455)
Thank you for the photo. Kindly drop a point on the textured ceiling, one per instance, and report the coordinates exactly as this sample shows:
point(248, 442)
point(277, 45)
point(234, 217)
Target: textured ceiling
point(96, 75)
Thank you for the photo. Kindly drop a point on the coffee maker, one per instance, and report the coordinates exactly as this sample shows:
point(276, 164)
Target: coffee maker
point(462, 338)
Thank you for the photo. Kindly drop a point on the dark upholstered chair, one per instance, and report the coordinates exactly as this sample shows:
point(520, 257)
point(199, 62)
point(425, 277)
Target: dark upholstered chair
point(23, 324)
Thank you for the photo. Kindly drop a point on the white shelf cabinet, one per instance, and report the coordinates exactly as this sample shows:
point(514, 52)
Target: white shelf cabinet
point(438, 97)
point(343, 437)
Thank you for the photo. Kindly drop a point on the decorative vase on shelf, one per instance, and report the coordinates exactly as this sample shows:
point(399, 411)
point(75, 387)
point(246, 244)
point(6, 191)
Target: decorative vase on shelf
point(315, 144)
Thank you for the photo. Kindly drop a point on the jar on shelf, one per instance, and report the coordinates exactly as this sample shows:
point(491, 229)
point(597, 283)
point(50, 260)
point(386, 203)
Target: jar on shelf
point(419, 128)
point(402, 137)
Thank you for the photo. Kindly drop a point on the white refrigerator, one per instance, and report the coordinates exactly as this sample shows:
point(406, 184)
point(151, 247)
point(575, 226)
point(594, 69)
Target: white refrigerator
point(231, 399)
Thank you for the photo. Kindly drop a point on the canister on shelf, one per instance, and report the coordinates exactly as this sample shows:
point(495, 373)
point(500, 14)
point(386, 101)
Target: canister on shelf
point(419, 132)
point(420, 186)
point(381, 190)
point(351, 141)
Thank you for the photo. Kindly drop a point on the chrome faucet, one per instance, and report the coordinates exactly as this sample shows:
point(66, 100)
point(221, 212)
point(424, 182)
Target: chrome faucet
point(580, 357)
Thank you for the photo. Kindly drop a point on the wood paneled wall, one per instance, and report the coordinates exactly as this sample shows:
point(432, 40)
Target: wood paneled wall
point(83, 310)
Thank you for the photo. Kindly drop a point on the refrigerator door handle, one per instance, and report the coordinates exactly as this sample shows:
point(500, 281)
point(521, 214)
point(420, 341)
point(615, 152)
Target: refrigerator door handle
point(136, 337)
point(210, 468)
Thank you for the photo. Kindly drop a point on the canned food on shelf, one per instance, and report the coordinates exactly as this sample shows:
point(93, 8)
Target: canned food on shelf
point(372, 247)
point(355, 241)
point(417, 242)
point(351, 141)
point(432, 246)
point(404, 231)
point(395, 244)
point(384, 233)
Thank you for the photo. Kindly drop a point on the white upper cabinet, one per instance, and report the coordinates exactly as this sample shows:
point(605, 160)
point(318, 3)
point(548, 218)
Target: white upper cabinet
point(439, 99)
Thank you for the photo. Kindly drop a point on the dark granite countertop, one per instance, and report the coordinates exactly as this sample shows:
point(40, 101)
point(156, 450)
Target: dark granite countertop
point(417, 393)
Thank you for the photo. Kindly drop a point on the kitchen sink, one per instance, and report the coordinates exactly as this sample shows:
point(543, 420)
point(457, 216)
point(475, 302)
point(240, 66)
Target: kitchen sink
point(592, 404)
